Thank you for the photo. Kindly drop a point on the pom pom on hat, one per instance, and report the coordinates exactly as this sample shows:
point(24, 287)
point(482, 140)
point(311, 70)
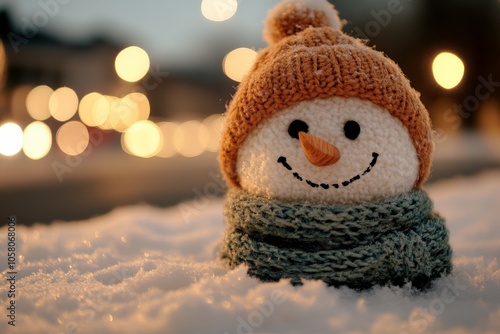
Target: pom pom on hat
point(309, 57)
point(292, 16)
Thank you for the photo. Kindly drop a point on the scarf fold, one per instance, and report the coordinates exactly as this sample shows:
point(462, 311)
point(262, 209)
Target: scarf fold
point(397, 240)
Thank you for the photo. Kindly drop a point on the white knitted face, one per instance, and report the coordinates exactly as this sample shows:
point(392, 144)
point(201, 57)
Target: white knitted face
point(380, 162)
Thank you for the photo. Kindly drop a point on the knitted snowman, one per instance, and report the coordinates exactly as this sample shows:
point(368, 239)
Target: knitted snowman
point(325, 148)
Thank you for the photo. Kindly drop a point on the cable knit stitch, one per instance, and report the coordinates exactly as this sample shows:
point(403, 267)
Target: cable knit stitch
point(395, 240)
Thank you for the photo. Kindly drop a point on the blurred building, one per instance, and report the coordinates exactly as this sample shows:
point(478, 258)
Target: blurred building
point(89, 67)
point(412, 33)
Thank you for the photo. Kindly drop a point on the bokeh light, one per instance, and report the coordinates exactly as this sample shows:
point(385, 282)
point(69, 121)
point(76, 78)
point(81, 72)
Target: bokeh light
point(11, 139)
point(214, 124)
point(137, 108)
point(448, 70)
point(37, 140)
point(102, 111)
point(191, 138)
point(126, 111)
point(2, 62)
point(114, 122)
point(218, 10)
point(168, 130)
point(142, 139)
point(238, 62)
point(63, 103)
point(127, 114)
point(37, 102)
point(132, 63)
point(86, 110)
point(72, 138)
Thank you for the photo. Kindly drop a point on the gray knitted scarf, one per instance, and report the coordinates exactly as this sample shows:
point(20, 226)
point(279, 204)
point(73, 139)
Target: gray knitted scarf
point(392, 241)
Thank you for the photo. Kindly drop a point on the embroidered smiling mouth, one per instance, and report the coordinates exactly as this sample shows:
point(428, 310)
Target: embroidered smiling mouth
point(282, 160)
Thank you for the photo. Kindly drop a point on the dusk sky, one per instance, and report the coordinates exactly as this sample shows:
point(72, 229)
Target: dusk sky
point(170, 31)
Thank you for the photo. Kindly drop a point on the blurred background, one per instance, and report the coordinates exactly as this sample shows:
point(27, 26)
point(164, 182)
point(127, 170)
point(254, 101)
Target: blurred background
point(111, 103)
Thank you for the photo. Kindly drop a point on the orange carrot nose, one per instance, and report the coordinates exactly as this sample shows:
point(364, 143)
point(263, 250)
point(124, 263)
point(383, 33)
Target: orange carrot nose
point(318, 151)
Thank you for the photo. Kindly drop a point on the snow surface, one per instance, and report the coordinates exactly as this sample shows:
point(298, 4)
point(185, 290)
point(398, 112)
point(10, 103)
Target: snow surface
point(142, 269)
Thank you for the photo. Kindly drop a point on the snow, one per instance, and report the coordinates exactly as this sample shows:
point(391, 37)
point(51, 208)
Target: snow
point(142, 269)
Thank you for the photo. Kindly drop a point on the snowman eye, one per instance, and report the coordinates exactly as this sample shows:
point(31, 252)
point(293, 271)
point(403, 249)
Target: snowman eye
point(297, 126)
point(351, 129)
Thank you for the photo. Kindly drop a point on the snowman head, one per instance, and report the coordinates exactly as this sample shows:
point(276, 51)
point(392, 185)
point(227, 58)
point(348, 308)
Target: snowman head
point(321, 117)
point(334, 150)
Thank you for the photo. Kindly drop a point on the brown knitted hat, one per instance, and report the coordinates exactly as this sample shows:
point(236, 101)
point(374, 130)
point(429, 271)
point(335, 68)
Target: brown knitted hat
point(309, 57)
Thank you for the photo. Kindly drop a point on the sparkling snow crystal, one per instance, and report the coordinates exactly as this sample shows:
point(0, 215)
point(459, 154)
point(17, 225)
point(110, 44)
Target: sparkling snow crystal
point(141, 269)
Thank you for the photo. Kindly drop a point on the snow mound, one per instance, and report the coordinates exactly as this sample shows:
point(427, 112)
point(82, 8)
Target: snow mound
point(142, 269)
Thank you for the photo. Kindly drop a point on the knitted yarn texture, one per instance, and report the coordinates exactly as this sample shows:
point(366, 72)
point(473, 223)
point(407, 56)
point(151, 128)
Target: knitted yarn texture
point(321, 62)
point(396, 240)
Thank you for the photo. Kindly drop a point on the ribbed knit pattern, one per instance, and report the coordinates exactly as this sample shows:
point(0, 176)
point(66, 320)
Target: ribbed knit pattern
point(396, 240)
point(320, 62)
